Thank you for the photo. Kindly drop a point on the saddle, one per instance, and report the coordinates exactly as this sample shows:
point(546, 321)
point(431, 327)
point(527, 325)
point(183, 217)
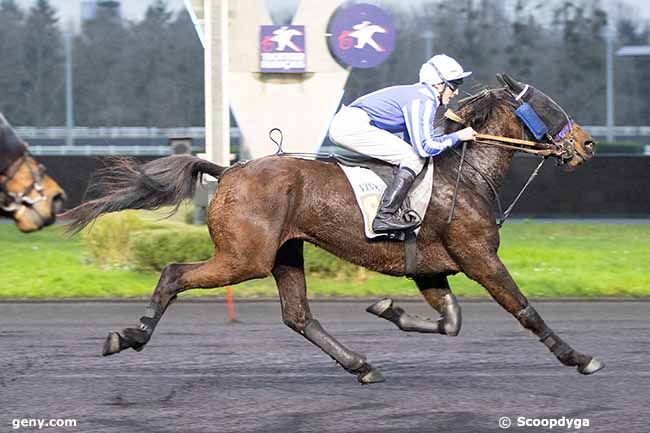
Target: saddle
point(369, 177)
point(348, 158)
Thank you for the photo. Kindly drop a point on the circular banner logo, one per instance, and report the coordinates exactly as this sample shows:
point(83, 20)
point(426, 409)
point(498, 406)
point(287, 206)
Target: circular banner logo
point(361, 35)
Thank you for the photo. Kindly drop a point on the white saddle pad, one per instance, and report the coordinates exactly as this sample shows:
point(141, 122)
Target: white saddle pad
point(368, 189)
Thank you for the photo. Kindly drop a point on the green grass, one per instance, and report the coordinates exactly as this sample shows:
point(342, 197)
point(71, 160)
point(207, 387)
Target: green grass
point(546, 260)
point(47, 264)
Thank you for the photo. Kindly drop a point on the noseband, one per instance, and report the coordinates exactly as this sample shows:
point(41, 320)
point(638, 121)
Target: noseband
point(565, 150)
point(12, 201)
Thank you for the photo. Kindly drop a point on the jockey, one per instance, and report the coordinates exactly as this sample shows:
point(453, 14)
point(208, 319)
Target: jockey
point(368, 124)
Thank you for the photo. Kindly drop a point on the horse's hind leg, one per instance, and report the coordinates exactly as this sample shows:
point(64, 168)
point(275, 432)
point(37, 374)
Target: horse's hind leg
point(492, 274)
point(435, 290)
point(175, 278)
point(289, 275)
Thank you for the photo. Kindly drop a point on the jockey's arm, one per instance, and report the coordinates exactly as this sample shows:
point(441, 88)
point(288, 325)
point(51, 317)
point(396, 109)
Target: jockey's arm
point(419, 117)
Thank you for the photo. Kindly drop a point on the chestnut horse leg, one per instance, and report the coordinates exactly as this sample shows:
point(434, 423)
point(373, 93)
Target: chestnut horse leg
point(289, 275)
point(435, 290)
point(492, 274)
point(176, 278)
point(241, 252)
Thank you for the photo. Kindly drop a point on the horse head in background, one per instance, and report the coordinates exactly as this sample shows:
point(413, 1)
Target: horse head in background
point(27, 195)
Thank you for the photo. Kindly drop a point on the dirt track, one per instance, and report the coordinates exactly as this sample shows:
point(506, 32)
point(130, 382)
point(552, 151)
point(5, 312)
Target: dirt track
point(201, 374)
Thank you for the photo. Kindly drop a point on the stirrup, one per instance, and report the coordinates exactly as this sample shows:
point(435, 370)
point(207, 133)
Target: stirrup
point(396, 236)
point(406, 226)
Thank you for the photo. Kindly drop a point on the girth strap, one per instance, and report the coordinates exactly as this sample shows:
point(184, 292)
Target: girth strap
point(410, 249)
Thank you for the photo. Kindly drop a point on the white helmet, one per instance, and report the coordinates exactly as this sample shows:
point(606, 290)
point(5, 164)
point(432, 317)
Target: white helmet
point(441, 68)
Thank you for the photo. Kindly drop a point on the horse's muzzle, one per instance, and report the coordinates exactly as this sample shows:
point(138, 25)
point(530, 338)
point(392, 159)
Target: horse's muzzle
point(588, 149)
point(57, 203)
point(582, 152)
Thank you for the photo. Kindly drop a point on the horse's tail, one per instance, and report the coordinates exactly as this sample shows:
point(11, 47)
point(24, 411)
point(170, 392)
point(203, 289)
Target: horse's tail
point(125, 184)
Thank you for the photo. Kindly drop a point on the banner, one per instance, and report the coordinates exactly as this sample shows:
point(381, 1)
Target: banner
point(282, 49)
point(361, 36)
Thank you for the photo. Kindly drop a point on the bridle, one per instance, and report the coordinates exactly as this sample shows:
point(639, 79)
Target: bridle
point(556, 146)
point(563, 152)
point(12, 201)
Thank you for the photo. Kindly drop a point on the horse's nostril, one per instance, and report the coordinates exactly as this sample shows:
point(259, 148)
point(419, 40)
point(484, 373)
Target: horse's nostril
point(57, 204)
point(589, 146)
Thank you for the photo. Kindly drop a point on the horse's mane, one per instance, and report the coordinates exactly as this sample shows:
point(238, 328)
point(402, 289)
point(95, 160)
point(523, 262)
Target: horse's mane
point(476, 109)
point(494, 106)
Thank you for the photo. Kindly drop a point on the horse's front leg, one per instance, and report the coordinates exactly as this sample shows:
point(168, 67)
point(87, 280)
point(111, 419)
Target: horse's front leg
point(437, 293)
point(492, 274)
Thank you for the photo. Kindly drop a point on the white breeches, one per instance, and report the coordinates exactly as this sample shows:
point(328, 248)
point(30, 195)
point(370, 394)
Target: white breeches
point(351, 129)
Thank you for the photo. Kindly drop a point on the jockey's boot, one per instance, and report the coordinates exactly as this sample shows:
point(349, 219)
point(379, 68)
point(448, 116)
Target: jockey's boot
point(388, 219)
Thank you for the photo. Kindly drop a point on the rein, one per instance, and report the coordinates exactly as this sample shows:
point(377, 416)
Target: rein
point(526, 146)
point(536, 148)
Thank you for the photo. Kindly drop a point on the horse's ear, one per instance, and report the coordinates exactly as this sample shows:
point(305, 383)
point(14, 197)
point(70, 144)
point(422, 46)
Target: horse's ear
point(510, 82)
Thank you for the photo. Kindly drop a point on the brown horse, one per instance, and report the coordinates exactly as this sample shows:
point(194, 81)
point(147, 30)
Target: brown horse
point(27, 195)
point(264, 210)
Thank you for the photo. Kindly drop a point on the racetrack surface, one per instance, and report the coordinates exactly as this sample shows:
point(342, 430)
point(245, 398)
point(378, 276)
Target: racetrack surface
point(202, 374)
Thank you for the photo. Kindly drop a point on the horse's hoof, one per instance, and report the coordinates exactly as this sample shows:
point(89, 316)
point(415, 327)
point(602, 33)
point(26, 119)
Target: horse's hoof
point(370, 375)
point(380, 307)
point(592, 366)
point(112, 344)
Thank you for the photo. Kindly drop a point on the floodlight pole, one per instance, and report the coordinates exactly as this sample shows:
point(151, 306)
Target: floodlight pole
point(427, 35)
point(69, 96)
point(610, 84)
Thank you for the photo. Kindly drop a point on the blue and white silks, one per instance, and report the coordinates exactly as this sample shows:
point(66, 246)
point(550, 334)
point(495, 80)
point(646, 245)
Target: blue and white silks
point(411, 110)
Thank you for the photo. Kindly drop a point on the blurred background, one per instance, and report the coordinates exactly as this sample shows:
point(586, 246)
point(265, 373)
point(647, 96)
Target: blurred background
point(140, 64)
point(86, 79)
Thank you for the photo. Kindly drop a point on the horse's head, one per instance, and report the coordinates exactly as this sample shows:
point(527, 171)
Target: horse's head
point(27, 194)
point(574, 144)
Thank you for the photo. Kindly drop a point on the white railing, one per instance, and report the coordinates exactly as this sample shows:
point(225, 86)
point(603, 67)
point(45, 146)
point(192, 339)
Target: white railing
point(619, 131)
point(115, 133)
point(60, 133)
point(81, 136)
point(86, 150)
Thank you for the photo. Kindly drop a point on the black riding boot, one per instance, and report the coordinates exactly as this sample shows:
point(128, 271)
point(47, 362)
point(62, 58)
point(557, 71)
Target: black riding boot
point(388, 219)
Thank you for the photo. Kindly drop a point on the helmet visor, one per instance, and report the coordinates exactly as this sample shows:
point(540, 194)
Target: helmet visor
point(455, 84)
